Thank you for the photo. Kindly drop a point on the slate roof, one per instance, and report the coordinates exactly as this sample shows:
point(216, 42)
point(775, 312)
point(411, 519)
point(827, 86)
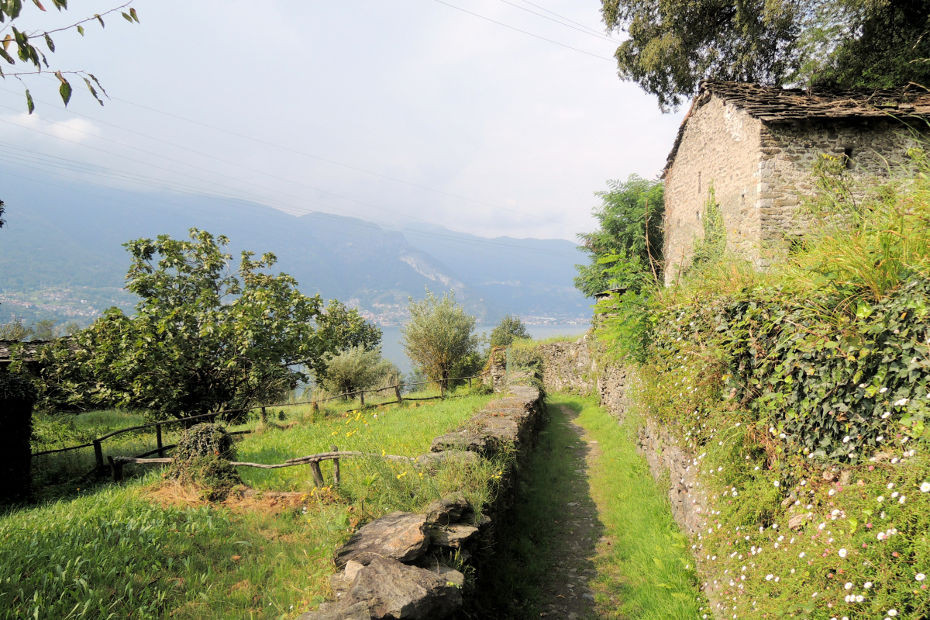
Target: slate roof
point(31, 350)
point(773, 105)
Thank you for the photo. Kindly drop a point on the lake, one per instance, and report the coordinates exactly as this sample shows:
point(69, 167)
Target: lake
point(393, 350)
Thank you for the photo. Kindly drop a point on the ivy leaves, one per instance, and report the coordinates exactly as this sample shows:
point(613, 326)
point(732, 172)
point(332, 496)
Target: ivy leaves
point(839, 385)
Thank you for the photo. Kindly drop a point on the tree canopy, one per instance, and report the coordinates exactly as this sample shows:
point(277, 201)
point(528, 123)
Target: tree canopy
point(509, 329)
point(626, 249)
point(439, 338)
point(203, 338)
point(674, 44)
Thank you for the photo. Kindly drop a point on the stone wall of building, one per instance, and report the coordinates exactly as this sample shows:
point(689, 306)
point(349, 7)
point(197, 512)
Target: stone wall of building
point(874, 148)
point(719, 148)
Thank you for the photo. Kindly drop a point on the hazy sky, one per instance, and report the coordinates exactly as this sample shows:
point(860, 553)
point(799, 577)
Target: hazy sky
point(400, 111)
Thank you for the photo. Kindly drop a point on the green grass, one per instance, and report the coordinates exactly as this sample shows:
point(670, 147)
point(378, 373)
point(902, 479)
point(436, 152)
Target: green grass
point(114, 551)
point(645, 572)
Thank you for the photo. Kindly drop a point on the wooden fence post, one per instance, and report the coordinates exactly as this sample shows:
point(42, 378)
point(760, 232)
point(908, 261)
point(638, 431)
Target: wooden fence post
point(317, 474)
point(117, 470)
point(397, 393)
point(337, 478)
point(158, 441)
point(469, 383)
point(263, 416)
point(361, 397)
point(98, 454)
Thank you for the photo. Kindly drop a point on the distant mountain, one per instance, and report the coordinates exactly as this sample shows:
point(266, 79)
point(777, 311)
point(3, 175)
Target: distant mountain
point(61, 254)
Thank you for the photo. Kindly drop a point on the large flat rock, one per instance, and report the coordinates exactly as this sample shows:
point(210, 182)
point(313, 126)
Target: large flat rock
point(395, 590)
point(399, 536)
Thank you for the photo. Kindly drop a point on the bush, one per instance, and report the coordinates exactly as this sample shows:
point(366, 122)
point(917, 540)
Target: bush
point(202, 457)
point(358, 369)
point(17, 396)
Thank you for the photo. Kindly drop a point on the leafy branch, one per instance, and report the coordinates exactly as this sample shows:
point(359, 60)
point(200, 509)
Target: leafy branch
point(27, 52)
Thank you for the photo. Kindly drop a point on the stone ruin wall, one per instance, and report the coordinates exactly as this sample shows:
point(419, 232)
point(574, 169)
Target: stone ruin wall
point(719, 148)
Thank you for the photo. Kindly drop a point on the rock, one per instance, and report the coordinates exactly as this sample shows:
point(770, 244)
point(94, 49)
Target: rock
point(341, 582)
point(449, 509)
point(339, 611)
point(395, 590)
point(463, 440)
point(399, 535)
point(433, 460)
point(797, 520)
point(452, 536)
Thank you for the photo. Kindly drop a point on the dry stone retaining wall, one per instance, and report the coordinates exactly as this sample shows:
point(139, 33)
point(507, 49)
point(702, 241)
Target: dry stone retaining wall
point(392, 567)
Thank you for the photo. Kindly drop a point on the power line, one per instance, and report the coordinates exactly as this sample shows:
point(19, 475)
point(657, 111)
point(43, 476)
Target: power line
point(526, 32)
point(569, 20)
point(313, 156)
point(562, 21)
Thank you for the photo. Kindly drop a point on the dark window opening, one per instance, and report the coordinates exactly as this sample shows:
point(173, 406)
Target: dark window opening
point(847, 156)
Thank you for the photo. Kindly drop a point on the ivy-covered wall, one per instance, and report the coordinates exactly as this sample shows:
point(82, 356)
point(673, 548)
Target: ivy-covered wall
point(843, 390)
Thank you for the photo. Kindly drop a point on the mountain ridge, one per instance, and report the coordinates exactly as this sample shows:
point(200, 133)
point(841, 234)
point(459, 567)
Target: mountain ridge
point(61, 254)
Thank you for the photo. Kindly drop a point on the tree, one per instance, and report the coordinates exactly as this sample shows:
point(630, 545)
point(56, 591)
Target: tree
point(202, 339)
point(29, 43)
point(509, 329)
point(43, 330)
point(439, 338)
point(674, 44)
point(626, 250)
point(357, 368)
point(15, 330)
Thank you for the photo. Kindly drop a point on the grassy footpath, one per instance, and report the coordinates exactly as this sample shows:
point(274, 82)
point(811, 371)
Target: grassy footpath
point(646, 571)
point(643, 567)
point(150, 549)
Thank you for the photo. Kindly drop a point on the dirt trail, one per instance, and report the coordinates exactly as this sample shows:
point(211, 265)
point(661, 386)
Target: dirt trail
point(576, 528)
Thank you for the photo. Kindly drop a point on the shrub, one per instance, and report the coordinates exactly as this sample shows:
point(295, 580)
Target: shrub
point(358, 369)
point(202, 457)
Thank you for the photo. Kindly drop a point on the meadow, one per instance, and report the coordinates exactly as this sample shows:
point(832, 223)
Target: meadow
point(152, 548)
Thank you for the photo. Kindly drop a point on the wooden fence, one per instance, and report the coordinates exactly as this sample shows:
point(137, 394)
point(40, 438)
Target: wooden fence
point(313, 460)
point(101, 465)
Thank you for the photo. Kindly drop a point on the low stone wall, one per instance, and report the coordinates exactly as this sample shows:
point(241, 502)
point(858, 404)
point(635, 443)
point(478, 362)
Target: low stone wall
point(393, 567)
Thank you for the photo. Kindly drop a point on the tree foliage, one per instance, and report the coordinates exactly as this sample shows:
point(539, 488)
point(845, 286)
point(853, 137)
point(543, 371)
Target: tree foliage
point(15, 330)
point(509, 329)
point(358, 368)
point(674, 44)
point(626, 250)
point(202, 338)
point(26, 45)
point(439, 338)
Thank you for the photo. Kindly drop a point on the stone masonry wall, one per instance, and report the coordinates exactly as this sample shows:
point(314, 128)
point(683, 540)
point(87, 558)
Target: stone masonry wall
point(719, 148)
point(790, 151)
point(397, 566)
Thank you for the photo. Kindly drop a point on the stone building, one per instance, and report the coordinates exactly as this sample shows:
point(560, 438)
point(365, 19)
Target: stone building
point(756, 147)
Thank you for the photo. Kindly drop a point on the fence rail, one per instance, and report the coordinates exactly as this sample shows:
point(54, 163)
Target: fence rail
point(159, 425)
point(313, 460)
